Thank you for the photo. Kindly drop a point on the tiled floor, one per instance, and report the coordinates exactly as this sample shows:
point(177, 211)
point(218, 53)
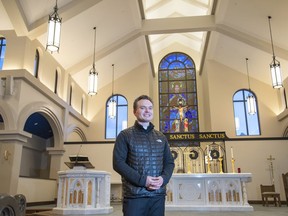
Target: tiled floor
point(259, 210)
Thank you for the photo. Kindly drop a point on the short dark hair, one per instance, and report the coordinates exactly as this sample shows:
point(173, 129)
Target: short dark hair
point(142, 97)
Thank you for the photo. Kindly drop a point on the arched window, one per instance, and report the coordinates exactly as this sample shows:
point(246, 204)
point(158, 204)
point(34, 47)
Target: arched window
point(70, 95)
point(56, 83)
point(2, 51)
point(36, 63)
point(178, 104)
point(82, 105)
point(119, 123)
point(245, 124)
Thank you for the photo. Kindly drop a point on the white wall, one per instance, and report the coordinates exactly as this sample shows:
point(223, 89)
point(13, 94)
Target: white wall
point(251, 157)
point(37, 190)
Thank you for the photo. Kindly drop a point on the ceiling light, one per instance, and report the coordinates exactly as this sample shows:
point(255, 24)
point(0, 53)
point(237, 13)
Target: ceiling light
point(112, 101)
point(93, 74)
point(275, 65)
point(251, 102)
point(54, 31)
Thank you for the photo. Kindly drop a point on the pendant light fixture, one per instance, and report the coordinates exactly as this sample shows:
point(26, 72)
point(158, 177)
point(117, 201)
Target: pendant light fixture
point(275, 64)
point(54, 31)
point(251, 102)
point(93, 74)
point(112, 101)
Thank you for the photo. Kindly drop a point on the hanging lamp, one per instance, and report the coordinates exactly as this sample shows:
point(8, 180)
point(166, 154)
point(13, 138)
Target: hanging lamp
point(112, 101)
point(93, 74)
point(54, 31)
point(251, 102)
point(275, 68)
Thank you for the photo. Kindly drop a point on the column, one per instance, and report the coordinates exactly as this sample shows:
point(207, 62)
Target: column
point(11, 144)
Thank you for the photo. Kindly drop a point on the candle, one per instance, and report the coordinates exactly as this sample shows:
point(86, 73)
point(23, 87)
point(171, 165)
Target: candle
point(207, 150)
point(219, 151)
point(232, 155)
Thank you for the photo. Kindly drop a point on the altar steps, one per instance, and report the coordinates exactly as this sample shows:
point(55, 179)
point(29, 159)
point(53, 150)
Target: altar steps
point(38, 212)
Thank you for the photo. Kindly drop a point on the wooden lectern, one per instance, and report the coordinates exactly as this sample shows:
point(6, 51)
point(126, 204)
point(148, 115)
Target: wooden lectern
point(79, 161)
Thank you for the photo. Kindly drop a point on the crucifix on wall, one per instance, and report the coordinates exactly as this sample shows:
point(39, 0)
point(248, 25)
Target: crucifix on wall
point(271, 168)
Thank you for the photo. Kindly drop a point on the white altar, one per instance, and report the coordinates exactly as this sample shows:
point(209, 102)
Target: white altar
point(83, 191)
point(208, 192)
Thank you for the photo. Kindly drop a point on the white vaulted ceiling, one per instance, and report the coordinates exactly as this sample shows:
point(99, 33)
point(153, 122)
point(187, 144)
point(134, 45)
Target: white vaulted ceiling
point(134, 32)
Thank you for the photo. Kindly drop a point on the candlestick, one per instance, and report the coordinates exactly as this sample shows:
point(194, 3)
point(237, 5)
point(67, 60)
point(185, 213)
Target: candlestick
point(219, 149)
point(220, 164)
point(233, 165)
point(208, 165)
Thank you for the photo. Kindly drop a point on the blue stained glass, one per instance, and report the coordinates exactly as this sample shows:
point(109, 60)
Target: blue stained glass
point(191, 113)
point(189, 64)
point(164, 64)
point(176, 64)
point(171, 58)
point(194, 126)
point(173, 113)
point(164, 127)
point(181, 57)
point(181, 86)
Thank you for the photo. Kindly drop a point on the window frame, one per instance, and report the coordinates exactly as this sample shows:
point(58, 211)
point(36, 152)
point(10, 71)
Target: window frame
point(3, 47)
point(188, 91)
point(247, 119)
point(118, 115)
point(36, 63)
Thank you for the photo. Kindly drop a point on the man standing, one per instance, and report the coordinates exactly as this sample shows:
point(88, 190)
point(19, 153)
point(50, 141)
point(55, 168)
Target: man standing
point(143, 158)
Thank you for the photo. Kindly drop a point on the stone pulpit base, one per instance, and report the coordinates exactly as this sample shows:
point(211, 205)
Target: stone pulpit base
point(83, 192)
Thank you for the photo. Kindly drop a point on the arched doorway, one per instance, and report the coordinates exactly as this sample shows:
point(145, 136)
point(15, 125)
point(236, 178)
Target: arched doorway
point(35, 160)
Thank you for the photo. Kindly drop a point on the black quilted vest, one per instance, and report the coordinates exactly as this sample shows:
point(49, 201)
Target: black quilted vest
point(146, 153)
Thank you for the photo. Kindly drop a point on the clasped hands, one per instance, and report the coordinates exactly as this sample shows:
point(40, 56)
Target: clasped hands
point(154, 183)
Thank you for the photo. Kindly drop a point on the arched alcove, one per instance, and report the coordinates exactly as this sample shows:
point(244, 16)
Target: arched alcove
point(42, 148)
point(35, 160)
point(1, 123)
point(8, 117)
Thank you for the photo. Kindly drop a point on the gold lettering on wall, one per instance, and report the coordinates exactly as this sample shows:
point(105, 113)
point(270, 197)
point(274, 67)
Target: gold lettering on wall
point(199, 136)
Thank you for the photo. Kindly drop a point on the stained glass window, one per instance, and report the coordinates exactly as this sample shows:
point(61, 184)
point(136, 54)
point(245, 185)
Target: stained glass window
point(178, 104)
